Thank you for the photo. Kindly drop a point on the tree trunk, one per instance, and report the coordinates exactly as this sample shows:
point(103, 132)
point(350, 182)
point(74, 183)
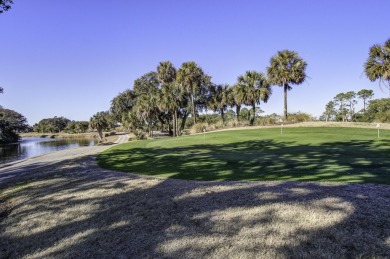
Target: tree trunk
point(364, 105)
point(100, 133)
point(162, 123)
point(238, 108)
point(285, 101)
point(252, 120)
point(193, 108)
point(183, 122)
point(222, 116)
point(170, 132)
point(175, 123)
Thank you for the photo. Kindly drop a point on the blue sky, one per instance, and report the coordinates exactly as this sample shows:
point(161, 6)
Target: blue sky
point(70, 58)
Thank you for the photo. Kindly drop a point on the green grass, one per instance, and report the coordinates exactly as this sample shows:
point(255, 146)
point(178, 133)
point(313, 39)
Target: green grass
point(301, 154)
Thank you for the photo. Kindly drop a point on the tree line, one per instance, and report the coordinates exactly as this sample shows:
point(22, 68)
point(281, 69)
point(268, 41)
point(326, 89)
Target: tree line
point(376, 68)
point(342, 108)
point(60, 124)
point(170, 97)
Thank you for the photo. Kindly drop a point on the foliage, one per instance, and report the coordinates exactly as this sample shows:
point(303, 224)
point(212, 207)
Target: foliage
point(351, 102)
point(51, 125)
point(122, 104)
point(298, 117)
point(365, 94)
point(194, 83)
point(100, 121)
point(330, 111)
point(139, 134)
point(377, 109)
point(236, 98)
point(286, 68)
point(377, 66)
point(342, 108)
point(219, 99)
point(11, 124)
point(5, 5)
point(171, 100)
point(171, 95)
point(77, 127)
point(255, 88)
point(382, 117)
point(199, 127)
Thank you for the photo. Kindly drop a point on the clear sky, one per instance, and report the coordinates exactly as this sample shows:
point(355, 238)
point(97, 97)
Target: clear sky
point(70, 58)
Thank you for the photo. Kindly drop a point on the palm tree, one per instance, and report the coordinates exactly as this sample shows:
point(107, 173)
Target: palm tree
point(236, 98)
point(377, 65)
point(146, 109)
point(5, 5)
point(255, 88)
point(190, 77)
point(168, 100)
point(286, 68)
point(219, 98)
point(170, 94)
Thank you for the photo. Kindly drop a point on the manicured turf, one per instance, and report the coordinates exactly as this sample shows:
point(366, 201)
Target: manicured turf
point(301, 154)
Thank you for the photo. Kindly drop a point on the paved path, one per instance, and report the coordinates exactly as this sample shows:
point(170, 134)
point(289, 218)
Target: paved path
point(25, 167)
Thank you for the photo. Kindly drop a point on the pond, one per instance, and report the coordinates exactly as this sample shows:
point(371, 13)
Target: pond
point(29, 147)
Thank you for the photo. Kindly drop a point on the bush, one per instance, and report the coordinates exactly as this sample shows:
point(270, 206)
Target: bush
point(199, 127)
point(382, 117)
point(267, 120)
point(298, 117)
point(235, 123)
point(139, 134)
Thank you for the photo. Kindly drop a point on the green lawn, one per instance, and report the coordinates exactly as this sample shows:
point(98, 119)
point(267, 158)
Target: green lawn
point(301, 154)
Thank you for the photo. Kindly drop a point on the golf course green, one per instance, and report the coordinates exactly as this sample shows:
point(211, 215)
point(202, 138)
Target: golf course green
point(354, 155)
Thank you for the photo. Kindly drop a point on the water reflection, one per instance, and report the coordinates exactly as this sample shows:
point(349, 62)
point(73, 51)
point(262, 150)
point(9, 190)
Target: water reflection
point(29, 147)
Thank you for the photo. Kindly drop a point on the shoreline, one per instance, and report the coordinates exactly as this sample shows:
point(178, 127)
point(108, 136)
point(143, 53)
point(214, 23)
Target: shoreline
point(58, 135)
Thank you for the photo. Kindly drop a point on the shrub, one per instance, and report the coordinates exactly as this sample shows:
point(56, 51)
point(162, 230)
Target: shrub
point(382, 117)
point(199, 127)
point(298, 117)
point(139, 134)
point(235, 123)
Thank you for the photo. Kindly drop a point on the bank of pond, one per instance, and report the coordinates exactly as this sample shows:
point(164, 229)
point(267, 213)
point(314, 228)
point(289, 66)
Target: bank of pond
point(33, 146)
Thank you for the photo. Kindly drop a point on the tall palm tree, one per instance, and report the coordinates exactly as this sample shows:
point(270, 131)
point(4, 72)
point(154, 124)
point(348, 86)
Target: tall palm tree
point(219, 99)
point(236, 98)
point(286, 68)
point(169, 100)
point(146, 108)
point(190, 77)
point(377, 65)
point(255, 88)
point(170, 94)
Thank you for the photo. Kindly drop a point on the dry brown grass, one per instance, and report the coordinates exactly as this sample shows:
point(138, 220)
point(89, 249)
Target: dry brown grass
point(75, 209)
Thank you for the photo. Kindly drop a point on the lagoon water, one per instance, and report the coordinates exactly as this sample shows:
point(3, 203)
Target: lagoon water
point(29, 147)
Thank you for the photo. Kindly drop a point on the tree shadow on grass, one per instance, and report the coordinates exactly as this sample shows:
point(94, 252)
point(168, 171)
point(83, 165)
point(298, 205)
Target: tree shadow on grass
point(358, 161)
point(68, 212)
